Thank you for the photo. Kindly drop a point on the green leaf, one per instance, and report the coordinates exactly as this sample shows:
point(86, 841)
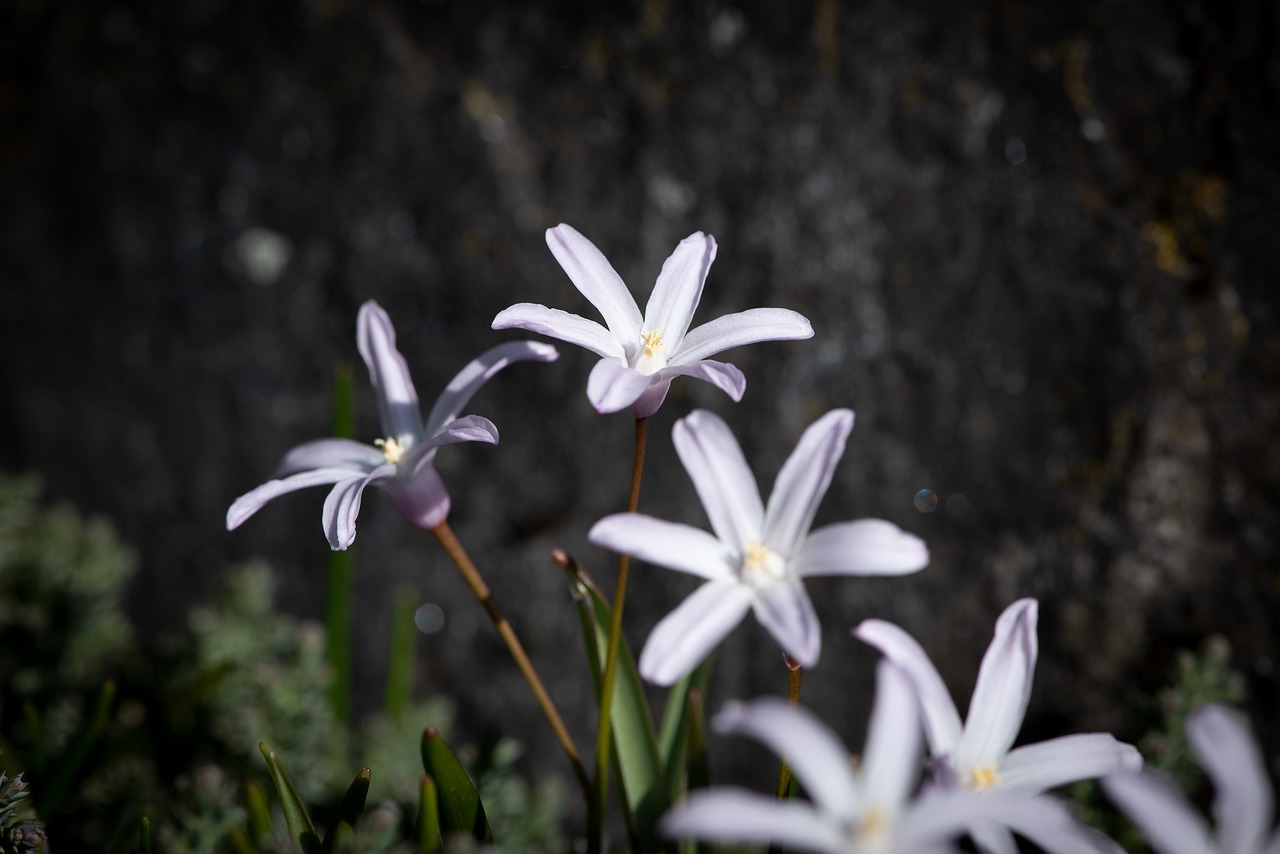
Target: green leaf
point(403, 652)
point(144, 835)
point(259, 814)
point(457, 800)
point(673, 738)
point(348, 811)
point(634, 740)
point(72, 761)
point(427, 828)
point(301, 829)
point(338, 612)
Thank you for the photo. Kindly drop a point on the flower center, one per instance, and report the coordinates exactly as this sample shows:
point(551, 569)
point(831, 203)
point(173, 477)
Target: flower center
point(872, 830)
point(760, 565)
point(391, 449)
point(650, 359)
point(983, 778)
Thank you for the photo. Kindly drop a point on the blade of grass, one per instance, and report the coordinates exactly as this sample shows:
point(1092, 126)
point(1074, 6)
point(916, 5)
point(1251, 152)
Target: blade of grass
point(77, 753)
point(457, 798)
point(402, 655)
point(349, 809)
point(296, 817)
point(427, 826)
point(338, 612)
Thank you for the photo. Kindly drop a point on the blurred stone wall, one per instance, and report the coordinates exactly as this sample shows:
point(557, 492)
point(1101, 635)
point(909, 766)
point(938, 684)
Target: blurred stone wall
point(1038, 243)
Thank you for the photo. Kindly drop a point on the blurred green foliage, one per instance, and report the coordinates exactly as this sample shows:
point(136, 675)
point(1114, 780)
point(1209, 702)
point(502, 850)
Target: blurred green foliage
point(173, 733)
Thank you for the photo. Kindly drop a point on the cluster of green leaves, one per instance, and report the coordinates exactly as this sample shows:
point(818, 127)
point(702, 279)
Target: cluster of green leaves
point(1201, 677)
point(105, 735)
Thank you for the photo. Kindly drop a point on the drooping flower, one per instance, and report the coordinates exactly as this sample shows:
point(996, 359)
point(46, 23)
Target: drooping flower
point(641, 355)
point(758, 556)
point(859, 808)
point(977, 755)
point(1243, 802)
point(399, 463)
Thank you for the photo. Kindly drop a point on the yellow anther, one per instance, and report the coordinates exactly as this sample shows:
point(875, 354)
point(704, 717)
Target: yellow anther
point(756, 556)
point(652, 342)
point(873, 826)
point(391, 448)
point(981, 779)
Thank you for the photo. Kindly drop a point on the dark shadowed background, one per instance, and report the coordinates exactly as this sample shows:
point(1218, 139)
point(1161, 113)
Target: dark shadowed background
point(1038, 243)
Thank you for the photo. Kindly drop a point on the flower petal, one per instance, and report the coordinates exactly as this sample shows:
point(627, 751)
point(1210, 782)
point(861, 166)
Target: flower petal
point(725, 377)
point(562, 325)
point(251, 502)
point(1161, 812)
point(397, 399)
point(468, 428)
point(421, 498)
point(478, 371)
point(992, 838)
point(734, 816)
point(813, 752)
point(1003, 689)
point(679, 547)
point(651, 400)
point(803, 481)
point(330, 454)
point(720, 474)
point(595, 278)
point(786, 611)
point(941, 720)
point(342, 505)
point(613, 386)
point(862, 547)
point(891, 756)
point(1035, 768)
point(679, 288)
point(684, 637)
point(734, 330)
point(1230, 755)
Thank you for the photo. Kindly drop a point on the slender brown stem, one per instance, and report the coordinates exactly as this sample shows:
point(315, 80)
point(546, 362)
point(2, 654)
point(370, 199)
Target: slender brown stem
point(794, 672)
point(604, 733)
point(472, 576)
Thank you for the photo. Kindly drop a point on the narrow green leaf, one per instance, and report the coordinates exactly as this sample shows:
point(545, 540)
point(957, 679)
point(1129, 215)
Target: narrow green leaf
point(634, 739)
point(673, 738)
point(301, 829)
point(344, 822)
point(338, 614)
point(241, 843)
point(457, 800)
point(427, 827)
point(259, 814)
point(403, 653)
point(144, 836)
point(696, 726)
point(82, 743)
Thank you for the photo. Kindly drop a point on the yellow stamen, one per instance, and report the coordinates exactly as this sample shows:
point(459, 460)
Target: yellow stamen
point(391, 448)
point(981, 779)
point(873, 825)
point(756, 556)
point(652, 342)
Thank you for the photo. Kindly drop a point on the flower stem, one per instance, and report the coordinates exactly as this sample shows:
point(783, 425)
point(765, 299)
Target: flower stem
point(794, 672)
point(481, 590)
point(604, 733)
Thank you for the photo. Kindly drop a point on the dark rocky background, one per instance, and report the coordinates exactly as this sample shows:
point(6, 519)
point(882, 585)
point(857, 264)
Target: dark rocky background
point(1038, 243)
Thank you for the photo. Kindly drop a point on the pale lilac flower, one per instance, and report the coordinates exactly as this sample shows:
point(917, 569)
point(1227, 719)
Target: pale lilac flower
point(1242, 808)
point(858, 807)
point(400, 463)
point(639, 356)
point(977, 755)
point(759, 555)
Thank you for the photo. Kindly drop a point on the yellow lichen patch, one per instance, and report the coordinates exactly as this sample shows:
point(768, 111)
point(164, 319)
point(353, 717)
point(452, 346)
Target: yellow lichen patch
point(981, 779)
point(391, 448)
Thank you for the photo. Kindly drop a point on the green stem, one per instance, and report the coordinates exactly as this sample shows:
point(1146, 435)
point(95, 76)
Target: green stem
point(481, 590)
point(604, 733)
point(794, 672)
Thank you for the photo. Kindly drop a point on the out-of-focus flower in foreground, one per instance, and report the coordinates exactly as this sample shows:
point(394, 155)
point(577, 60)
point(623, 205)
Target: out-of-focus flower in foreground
point(1243, 801)
point(977, 754)
point(400, 463)
point(641, 355)
point(758, 556)
point(861, 807)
